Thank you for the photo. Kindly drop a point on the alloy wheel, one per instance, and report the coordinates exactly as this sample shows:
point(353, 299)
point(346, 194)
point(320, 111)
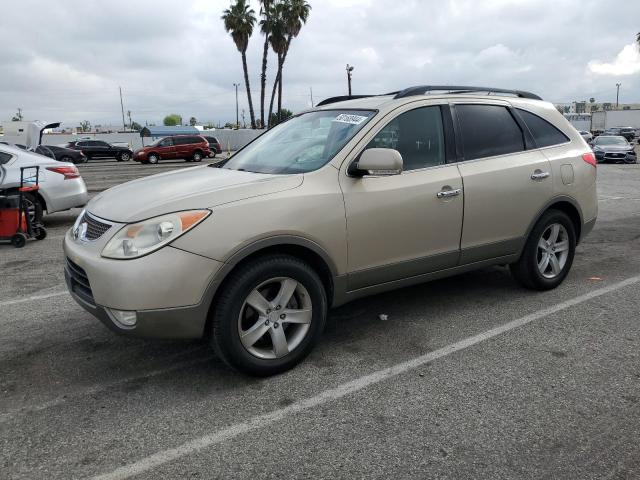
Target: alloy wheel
point(553, 250)
point(275, 318)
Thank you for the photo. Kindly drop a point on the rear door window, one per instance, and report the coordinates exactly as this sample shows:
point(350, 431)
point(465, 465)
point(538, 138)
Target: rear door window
point(488, 130)
point(544, 134)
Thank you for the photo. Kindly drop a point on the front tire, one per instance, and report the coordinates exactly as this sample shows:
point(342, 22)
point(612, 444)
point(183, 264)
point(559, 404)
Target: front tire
point(152, 159)
point(269, 315)
point(548, 254)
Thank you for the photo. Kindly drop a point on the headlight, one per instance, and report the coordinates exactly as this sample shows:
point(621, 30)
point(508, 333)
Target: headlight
point(138, 239)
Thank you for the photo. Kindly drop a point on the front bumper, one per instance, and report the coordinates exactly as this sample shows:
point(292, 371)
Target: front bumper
point(603, 157)
point(170, 290)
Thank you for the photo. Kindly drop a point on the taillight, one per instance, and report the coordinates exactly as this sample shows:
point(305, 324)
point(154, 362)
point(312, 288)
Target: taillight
point(590, 158)
point(68, 172)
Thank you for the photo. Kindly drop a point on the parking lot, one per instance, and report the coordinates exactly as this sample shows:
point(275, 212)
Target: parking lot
point(469, 377)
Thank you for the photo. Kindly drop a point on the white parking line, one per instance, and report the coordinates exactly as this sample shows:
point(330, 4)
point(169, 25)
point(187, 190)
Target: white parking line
point(6, 303)
point(259, 421)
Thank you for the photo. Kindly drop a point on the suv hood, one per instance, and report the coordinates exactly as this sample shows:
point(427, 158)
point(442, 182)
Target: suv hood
point(186, 189)
point(614, 148)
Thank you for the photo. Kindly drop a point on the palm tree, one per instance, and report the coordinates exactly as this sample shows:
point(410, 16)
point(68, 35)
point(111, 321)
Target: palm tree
point(287, 20)
point(278, 42)
point(239, 20)
point(265, 26)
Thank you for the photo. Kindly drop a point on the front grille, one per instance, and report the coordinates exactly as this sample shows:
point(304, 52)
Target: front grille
point(95, 228)
point(79, 282)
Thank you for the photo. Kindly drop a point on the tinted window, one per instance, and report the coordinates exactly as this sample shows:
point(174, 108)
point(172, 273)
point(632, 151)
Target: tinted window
point(186, 140)
point(488, 130)
point(82, 144)
point(4, 158)
point(418, 135)
point(167, 142)
point(543, 132)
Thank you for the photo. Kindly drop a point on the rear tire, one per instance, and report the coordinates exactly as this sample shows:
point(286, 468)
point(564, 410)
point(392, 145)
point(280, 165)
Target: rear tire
point(260, 283)
point(197, 156)
point(34, 208)
point(548, 254)
point(124, 157)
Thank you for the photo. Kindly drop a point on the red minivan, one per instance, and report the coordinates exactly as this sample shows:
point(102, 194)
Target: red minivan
point(191, 148)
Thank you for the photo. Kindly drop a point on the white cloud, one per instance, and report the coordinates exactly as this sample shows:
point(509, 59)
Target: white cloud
point(627, 62)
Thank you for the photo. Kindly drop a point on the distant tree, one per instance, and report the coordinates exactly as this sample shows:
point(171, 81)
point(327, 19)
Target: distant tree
point(286, 20)
point(239, 21)
point(193, 121)
point(276, 119)
point(172, 120)
point(85, 126)
point(18, 116)
point(136, 127)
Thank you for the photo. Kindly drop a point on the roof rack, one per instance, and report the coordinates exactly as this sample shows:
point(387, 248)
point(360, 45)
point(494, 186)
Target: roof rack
point(341, 98)
point(423, 89)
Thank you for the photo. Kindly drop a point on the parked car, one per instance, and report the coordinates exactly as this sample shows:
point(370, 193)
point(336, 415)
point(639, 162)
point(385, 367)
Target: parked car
point(101, 149)
point(187, 147)
point(61, 153)
point(214, 146)
point(627, 132)
point(61, 186)
point(614, 149)
point(252, 253)
point(586, 135)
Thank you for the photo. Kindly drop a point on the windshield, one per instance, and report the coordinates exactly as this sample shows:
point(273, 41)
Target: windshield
point(155, 144)
point(611, 141)
point(302, 144)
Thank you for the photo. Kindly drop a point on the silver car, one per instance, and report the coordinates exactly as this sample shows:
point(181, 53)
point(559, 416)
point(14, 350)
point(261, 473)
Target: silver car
point(358, 196)
point(61, 186)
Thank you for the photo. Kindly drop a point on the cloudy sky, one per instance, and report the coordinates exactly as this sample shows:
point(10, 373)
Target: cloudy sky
point(65, 59)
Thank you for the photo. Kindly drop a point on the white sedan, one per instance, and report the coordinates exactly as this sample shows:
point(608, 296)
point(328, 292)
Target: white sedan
point(586, 135)
point(61, 186)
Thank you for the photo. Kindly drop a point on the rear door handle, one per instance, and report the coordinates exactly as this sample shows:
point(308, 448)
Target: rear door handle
point(539, 175)
point(449, 193)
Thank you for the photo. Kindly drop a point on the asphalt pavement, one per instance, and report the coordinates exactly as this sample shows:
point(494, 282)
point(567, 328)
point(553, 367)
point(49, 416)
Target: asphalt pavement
point(469, 377)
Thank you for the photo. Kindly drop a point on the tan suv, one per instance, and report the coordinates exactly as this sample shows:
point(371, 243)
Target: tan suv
point(358, 196)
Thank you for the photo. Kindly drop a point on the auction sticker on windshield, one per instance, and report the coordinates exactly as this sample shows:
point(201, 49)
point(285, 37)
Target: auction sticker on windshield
point(352, 119)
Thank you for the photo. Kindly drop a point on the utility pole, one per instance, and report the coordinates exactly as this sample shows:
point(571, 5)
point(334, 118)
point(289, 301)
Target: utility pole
point(20, 114)
point(311, 93)
point(618, 95)
point(349, 70)
point(237, 116)
point(124, 125)
point(244, 124)
point(130, 122)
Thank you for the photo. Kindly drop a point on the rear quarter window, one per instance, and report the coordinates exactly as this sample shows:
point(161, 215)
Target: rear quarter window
point(544, 134)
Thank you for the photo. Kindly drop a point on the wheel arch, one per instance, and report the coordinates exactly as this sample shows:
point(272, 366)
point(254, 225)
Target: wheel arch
point(567, 205)
point(298, 247)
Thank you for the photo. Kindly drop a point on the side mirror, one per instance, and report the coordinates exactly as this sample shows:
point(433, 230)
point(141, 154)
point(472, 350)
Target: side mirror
point(380, 162)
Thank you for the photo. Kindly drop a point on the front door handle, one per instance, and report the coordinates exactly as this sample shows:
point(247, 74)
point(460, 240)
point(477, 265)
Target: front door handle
point(449, 193)
point(539, 175)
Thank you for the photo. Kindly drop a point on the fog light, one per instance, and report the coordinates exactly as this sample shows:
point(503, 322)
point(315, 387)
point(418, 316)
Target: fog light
point(123, 317)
